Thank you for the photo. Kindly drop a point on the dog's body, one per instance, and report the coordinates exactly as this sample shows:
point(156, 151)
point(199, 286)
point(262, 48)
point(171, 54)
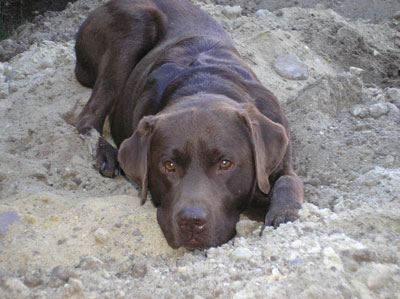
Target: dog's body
point(191, 120)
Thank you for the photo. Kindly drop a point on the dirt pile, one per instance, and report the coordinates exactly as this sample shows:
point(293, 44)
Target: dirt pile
point(65, 231)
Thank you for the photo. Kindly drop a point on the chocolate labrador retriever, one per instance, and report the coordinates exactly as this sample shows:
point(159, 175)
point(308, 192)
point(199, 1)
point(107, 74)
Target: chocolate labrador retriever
point(192, 122)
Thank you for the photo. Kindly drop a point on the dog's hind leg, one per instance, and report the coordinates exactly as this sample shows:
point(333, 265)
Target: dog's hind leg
point(109, 45)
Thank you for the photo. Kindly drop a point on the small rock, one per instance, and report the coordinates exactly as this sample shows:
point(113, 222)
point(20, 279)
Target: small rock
point(101, 235)
point(91, 263)
point(3, 95)
point(139, 269)
point(241, 253)
point(6, 219)
point(262, 13)
point(393, 109)
point(118, 224)
point(125, 267)
point(246, 227)
point(51, 81)
point(295, 244)
point(76, 284)
point(30, 219)
point(357, 71)
point(379, 109)
point(33, 279)
point(290, 67)
point(379, 277)
point(296, 262)
point(62, 273)
point(360, 112)
point(232, 12)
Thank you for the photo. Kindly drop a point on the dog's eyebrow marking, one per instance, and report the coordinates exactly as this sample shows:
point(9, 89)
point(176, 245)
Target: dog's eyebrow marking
point(182, 157)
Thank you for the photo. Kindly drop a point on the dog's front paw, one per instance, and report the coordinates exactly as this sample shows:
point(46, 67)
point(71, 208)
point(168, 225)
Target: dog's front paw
point(277, 216)
point(105, 159)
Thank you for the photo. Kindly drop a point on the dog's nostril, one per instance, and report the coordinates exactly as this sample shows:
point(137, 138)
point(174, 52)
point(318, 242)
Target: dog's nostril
point(192, 220)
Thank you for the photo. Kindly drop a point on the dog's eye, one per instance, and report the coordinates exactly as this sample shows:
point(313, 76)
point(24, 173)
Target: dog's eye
point(169, 166)
point(225, 164)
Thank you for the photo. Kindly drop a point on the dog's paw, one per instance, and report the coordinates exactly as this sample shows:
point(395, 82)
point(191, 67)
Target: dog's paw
point(105, 159)
point(277, 216)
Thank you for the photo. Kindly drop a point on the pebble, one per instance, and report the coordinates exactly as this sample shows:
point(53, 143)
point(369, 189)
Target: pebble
point(379, 276)
point(33, 279)
point(241, 253)
point(6, 219)
point(3, 95)
point(360, 112)
point(379, 109)
point(232, 12)
point(30, 219)
point(62, 273)
point(91, 263)
point(76, 284)
point(125, 267)
point(357, 71)
point(101, 235)
point(139, 269)
point(262, 13)
point(246, 227)
point(393, 108)
point(290, 67)
point(295, 244)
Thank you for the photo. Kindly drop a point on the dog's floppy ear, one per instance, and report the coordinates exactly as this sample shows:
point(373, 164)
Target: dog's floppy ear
point(269, 144)
point(133, 154)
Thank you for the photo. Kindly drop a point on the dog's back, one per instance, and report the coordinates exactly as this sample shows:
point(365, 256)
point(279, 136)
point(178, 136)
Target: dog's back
point(185, 19)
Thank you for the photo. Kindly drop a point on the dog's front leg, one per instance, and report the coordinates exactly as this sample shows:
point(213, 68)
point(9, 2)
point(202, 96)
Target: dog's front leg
point(91, 120)
point(286, 198)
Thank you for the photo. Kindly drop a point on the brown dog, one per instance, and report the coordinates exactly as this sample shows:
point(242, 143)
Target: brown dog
point(191, 120)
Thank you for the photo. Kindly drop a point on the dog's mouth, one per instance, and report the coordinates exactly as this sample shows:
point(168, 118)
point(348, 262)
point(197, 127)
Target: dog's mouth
point(194, 242)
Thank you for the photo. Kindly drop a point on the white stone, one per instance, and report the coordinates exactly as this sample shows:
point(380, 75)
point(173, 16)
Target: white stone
point(262, 13)
point(379, 276)
point(290, 67)
point(295, 244)
point(357, 71)
point(76, 284)
point(379, 109)
point(241, 253)
point(232, 12)
point(359, 111)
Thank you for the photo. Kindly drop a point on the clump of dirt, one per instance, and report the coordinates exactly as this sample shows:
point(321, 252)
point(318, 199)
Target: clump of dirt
point(66, 231)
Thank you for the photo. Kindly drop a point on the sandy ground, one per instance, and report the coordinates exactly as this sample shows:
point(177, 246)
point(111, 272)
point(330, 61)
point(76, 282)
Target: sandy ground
point(67, 232)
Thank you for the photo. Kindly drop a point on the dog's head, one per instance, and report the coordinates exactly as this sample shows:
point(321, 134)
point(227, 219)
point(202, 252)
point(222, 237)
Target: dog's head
point(201, 160)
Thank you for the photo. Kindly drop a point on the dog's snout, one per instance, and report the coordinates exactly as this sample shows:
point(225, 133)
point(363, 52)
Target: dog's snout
point(192, 220)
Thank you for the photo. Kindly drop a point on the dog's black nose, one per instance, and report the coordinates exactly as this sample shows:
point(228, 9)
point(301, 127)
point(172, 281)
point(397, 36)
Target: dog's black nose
point(192, 220)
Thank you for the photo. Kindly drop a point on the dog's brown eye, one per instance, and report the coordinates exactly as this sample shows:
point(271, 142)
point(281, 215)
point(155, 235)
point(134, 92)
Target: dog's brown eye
point(169, 166)
point(225, 164)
